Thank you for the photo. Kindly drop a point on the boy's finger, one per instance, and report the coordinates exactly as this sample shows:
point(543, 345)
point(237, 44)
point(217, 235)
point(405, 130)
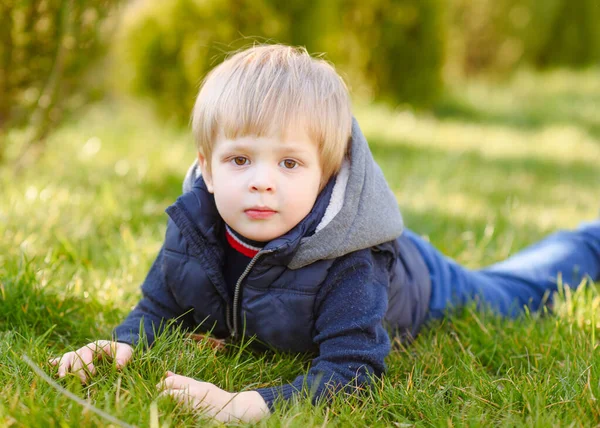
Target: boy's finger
point(174, 382)
point(82, 364)
point(99, 348)
point(181, 396)
point(65, 364)
point(169, 393)
point(84, 372)
point(122, 356)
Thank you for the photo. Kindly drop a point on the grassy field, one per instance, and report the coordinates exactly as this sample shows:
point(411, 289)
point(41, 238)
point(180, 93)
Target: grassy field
point(491, 170)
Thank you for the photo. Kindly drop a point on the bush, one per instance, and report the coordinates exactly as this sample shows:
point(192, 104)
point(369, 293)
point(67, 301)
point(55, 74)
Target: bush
point(46, 47)
point(395, 47)
point(499, 35)
point(575, 38)
point(391, 50)
point(164, 49)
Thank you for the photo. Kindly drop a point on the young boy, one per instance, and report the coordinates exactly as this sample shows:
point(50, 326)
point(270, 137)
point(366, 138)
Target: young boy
point(287, 231)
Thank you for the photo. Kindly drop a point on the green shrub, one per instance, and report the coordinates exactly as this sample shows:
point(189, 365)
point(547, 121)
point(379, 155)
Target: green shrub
point(575, 36)
point(165, 48)
point(393, 47)
point(46, 47)
point(391, 50)
point(499, 35)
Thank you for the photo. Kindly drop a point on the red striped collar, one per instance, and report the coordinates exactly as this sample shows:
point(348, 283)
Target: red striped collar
point(239, 245)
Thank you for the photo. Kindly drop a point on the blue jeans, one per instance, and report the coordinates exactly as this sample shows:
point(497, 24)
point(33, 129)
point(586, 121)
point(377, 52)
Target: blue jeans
point(524, 279)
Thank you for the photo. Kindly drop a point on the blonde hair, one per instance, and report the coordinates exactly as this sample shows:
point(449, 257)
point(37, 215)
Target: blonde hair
point(265, 90)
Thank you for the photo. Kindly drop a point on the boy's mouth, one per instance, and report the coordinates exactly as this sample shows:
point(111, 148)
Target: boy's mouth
point(259, 213)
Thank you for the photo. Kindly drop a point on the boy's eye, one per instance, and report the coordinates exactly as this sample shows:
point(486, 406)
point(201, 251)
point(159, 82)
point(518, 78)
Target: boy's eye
point(289, 163)
point(240, 160)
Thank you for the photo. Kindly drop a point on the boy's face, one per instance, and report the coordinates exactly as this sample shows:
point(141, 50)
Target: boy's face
point(263, 186)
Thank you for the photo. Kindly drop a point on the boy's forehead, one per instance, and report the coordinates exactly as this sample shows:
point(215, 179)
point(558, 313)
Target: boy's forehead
point(294, 136)
point(276, 144)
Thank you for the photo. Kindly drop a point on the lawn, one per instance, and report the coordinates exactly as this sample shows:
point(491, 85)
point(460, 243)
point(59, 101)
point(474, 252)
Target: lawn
point(492, 169)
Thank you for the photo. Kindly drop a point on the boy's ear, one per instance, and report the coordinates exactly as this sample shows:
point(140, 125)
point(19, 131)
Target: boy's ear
point(203, 164)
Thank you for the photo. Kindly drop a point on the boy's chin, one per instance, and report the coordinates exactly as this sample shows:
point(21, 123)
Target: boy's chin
point(264, 235)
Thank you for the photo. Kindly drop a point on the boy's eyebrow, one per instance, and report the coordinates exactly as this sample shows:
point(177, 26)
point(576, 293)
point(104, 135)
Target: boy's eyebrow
point(283, 147)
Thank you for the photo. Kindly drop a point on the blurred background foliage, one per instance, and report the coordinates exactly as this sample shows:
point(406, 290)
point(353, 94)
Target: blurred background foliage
point(47, 50)
point(370, 43)
point(499, 35)
point(57, 55)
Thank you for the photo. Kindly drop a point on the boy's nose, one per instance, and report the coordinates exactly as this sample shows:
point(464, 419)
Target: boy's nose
point(261, 187)
point(262, 182)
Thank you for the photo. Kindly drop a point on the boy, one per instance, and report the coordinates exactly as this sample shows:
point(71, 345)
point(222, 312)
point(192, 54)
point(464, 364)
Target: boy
point(287, 231)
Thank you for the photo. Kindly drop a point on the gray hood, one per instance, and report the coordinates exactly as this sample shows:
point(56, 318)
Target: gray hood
point(362, 211)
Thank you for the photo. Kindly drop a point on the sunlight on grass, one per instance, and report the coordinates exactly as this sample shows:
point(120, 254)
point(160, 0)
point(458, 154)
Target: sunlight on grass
point(543, 216)
point(580, 307)
point(555, 117)
point(560, 143)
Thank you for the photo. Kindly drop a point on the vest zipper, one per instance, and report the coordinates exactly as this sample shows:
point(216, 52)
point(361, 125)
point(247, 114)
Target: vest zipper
point(228, 318)
point(237, 291)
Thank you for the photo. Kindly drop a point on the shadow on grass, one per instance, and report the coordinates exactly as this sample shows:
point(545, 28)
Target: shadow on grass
point(390, 154)
point(439, 224)
point(561, 109)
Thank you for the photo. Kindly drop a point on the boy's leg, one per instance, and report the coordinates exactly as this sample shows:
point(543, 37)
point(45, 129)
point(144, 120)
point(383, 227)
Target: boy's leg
point(524, 279)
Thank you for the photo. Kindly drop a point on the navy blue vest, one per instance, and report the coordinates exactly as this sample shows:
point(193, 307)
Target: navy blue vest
point(271, 301)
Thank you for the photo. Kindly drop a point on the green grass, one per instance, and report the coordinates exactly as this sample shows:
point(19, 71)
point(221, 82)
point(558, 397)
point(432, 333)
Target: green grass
point(493, 169)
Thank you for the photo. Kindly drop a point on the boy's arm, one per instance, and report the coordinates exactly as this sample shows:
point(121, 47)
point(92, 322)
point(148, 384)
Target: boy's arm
point(349, 332)
point(156, 307)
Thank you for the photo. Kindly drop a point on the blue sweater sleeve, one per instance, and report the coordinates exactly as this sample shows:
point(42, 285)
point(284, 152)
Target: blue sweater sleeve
point(349, 332)
point(152, 312)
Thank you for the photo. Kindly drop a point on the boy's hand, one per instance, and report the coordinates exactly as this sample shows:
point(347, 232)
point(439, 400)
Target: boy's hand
point(80, 361)
point(222, 405)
